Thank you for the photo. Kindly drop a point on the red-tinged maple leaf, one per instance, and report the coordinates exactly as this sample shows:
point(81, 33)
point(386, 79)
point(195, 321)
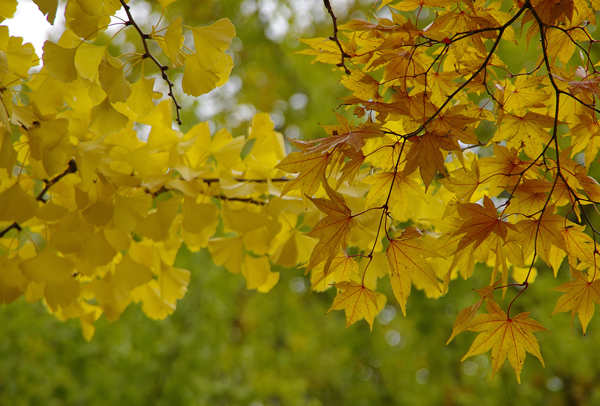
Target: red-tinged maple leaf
point(353, 137)
point(358, 302)
point(468, 313)
point(506, 337)
point(580, 296)
point(310, 169)
point(426, 154)
point(480, 222)
point(332, 231)
point(457, 122)
point(406, 256)
point(351, 166)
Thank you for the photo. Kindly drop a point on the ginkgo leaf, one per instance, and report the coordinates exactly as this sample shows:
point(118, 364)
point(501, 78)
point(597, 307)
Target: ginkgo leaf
point(197, 80)
point(60, 61)
point(17, 205)
point(131, 210)
point(580, 296)
point(358, 302)
point(105, 119)
point(505, 336)
point(211, 41)
point(112, 79)
point(7, 9)
point(142, 95)
point(87, 60)
point(173, 41)
point(228, 252)
point(47, 266)
point(48, 8)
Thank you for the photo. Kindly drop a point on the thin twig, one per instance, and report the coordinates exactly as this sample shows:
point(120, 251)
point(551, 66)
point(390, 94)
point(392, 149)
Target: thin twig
point(335, 38)
point(163, 68)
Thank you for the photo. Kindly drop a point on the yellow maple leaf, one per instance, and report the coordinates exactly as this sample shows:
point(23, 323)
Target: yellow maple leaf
point(358, 302)
point(332, 231)
point(406, 256)
point(468, 313)
point(310, 169)
point(505, 336)
point(580, 296)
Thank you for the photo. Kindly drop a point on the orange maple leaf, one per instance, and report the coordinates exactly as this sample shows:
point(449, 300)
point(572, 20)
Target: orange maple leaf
point(344, 133)
point(406, 256)
point(426, 154)
point(580, 296)
point(506, 337)
point(358, 302)
point(480, 222)
point(333, 230)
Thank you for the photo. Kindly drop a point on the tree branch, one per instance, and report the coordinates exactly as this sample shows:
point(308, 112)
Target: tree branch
point(148, 54)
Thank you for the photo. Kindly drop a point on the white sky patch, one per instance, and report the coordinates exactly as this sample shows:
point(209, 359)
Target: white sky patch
point(30, 24)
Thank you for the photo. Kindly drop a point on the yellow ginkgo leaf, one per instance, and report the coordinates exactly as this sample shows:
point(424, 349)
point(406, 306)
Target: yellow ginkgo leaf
point(16, 205)
point(197, 80)
point(60, 61)
point(173, 41)
point(48, 8)
point(140, 101)
point(105, 119)
point(173, 283)
point(157, 225)
point(112, 79)
point(131, 210)
point(165, 3)
point(87, 60)
point(212, 40)
point(47, 266)
point(228, 252)
point(7, 8)
point(130, 274)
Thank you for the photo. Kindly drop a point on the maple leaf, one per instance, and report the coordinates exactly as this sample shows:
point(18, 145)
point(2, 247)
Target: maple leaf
point(506, 337)
point(580, 296)
point(332, 231)
point(468, 313)
point(310, 169)
point(358, 302)
point(406, 256)
point(426, 154)
point(541, 234)
point(480, 222)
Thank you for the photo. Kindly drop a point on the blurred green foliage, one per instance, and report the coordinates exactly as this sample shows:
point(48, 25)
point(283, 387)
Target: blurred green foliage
point(228, 346)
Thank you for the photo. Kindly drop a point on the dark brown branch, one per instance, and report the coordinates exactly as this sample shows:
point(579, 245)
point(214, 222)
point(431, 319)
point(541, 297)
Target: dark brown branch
point(335, 38)
point(72, 168)
point(13, 226)
point(148, 54)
